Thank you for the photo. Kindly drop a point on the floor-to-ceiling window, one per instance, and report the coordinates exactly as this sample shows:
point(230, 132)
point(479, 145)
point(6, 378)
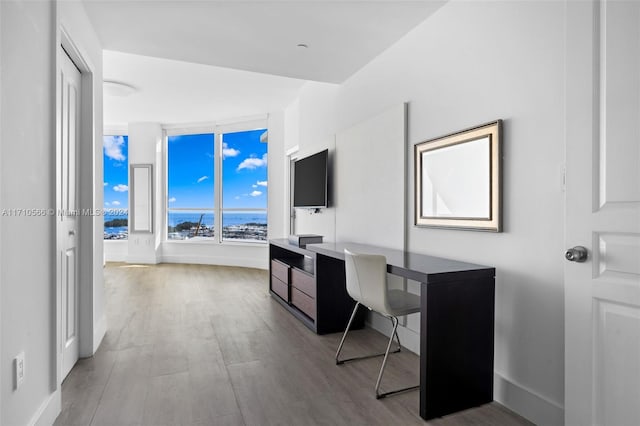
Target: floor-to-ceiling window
point(190, 186)
point(116, 187)
point(244, 185)
point(217, 185)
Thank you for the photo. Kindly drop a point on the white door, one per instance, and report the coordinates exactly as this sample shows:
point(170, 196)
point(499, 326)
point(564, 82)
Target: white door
point(602, 294)
point(70, 79)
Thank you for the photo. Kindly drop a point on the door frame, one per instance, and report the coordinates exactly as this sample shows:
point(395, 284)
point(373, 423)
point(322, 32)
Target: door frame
point(290, 156)
point(86, 196)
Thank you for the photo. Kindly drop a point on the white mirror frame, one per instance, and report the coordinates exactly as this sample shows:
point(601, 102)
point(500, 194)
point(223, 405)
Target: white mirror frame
point(141, 202)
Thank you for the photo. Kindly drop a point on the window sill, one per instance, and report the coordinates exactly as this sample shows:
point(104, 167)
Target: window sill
point(215, 243)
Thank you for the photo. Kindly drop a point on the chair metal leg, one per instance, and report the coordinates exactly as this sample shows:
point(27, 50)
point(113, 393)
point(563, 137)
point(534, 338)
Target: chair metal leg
point(397, 337)
point(379, 395)
point(344, 336)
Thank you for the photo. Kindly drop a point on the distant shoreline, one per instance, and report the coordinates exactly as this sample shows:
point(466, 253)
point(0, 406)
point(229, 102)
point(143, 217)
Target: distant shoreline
point(243, 227)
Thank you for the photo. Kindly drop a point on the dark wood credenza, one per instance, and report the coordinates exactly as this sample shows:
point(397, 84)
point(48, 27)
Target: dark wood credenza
point(313, 291)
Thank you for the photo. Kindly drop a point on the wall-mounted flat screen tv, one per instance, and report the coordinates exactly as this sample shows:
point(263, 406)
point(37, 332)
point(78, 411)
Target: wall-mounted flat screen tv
point(310, 181)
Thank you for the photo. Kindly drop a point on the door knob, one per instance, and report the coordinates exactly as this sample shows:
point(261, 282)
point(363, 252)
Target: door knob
point(576, 254)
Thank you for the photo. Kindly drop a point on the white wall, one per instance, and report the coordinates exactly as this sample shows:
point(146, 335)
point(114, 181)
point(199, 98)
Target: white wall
point(28, 287)
point(315, 112)
point(27, 178)
point(369, 189)
point(277, 228)
point(468, 64)
point(145, 142)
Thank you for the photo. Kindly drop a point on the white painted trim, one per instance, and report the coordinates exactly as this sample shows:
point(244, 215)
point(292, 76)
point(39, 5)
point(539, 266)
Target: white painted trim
point(526, 402)
point(115, 130)
point(48, 410)
point(243, 122)
point(257, 263)
point(1, 286)
point(164, 204)
point(195, 130)
point(87, 256)
point(291, 151)
point(99, 331)
point(217, 127)
point(290, 218)
point(218, 185)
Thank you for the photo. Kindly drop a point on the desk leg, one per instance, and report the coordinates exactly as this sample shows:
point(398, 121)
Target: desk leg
point(456, 346)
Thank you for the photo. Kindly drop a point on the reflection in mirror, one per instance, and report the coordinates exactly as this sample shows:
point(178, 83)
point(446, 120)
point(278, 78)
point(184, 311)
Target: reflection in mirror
point(142, 198)
point(449, 193)
point(458, 179)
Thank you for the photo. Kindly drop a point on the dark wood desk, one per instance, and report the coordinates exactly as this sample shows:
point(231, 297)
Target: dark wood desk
point(456, 324)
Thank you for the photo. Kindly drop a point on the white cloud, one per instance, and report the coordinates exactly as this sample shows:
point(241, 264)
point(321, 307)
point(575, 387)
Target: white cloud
point(203, 178)
point(107, 203)
point(229, 152)
point(262, 182)
point(121, 188)
point(256, 193)
point(236, 197)
point(252, 163)
point(113, 148)
point(116, 203)
point(106, 184)
point(172, 199)
point(254, 186)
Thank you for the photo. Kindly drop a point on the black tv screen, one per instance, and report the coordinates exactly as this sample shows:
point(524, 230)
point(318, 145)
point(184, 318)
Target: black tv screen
point(310, 181)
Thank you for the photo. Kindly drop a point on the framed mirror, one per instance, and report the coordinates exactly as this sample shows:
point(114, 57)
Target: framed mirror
point(458, 180)
point(141, 203)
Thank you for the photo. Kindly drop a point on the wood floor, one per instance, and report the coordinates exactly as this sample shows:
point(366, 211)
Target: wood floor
point(191, 345)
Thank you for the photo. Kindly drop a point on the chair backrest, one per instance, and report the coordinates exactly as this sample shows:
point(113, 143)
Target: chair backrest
point(367, 279)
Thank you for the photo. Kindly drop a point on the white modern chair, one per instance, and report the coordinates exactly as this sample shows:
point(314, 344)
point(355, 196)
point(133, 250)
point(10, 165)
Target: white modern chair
point(367, 285)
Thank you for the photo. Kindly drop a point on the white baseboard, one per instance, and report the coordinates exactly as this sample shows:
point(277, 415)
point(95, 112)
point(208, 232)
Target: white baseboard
point(257, 263)
point(527, 403)
point(145, 260)
point(115, 257)
point(48, 410)
point(99, 332)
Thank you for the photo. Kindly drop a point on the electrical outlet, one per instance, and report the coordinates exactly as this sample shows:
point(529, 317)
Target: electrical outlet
point(19, 369)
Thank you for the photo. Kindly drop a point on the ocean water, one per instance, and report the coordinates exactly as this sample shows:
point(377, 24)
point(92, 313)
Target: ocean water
point(228, 219)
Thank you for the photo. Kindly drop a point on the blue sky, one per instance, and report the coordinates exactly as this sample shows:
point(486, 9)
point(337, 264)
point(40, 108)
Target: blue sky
point(244, 170)
point(116, 165)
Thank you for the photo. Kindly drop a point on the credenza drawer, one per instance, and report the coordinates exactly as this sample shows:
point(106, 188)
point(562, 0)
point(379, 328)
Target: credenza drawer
point(280, 270)
point(303, 282)
point(280, 288)
point(303, 302)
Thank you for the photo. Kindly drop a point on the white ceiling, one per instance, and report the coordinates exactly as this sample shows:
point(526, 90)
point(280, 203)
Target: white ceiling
point(183, 56)
point(176, 92)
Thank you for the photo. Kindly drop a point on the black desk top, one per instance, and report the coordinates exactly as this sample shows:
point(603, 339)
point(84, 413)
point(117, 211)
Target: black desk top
point(418, 267)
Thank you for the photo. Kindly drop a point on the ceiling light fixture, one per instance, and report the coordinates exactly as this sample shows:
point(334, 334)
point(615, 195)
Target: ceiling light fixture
point(116, 88)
